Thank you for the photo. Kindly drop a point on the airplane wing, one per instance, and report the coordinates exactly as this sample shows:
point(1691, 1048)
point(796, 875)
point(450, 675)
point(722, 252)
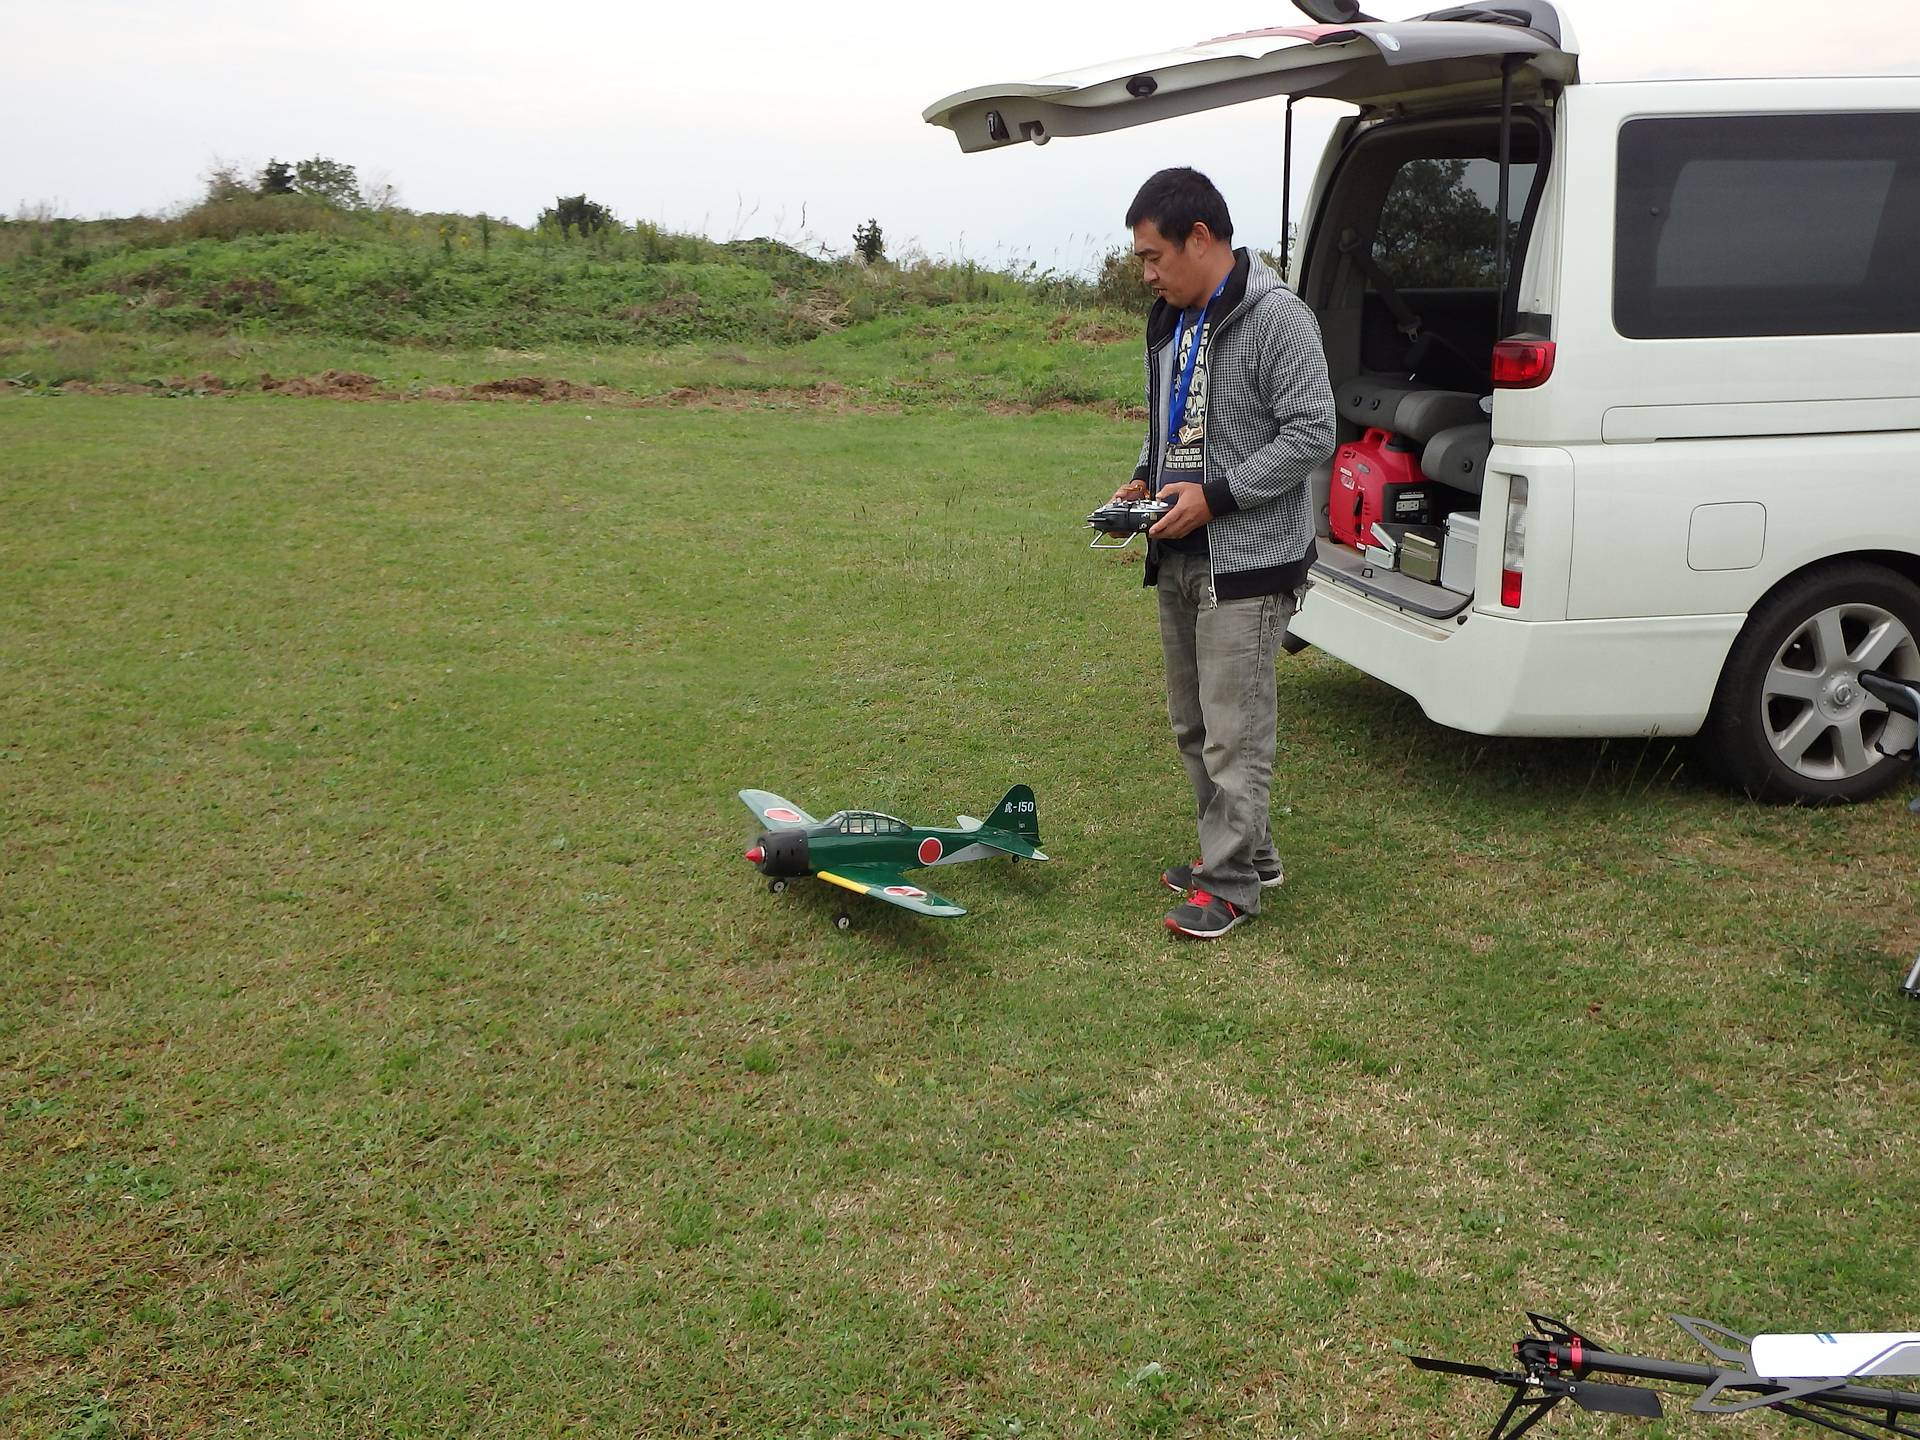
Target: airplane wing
point(774, 813)
point(883, 882)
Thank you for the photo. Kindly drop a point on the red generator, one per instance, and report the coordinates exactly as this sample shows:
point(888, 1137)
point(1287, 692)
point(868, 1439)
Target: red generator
point(1377, 478)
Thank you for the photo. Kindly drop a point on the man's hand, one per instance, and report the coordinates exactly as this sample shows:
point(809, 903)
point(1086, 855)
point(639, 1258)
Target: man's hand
point(1132, 490)
point(1189, 513)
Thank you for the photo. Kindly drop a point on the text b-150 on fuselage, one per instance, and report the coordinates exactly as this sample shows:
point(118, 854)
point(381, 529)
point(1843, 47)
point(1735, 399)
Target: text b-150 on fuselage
point(869, 853)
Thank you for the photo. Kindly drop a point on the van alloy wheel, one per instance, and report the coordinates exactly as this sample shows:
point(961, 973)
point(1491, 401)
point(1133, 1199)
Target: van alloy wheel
point(1819, 719)
point(1790, 720)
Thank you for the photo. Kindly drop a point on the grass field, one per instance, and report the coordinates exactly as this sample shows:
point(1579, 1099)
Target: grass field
point(1005, 355)
point(394, 1042)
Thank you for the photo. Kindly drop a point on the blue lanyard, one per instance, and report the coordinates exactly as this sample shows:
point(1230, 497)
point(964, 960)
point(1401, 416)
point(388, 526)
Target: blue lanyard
point(1183, 387)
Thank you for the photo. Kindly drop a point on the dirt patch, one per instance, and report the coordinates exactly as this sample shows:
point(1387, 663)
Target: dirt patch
point(535, 387)
point(102, 387)
point(1087, 332)
point(329, 384)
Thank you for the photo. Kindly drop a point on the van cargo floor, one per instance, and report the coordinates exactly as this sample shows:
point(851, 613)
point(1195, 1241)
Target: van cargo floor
point(1340, 564)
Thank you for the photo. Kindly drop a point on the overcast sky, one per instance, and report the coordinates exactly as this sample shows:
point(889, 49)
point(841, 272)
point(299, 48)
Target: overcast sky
point(733, 119)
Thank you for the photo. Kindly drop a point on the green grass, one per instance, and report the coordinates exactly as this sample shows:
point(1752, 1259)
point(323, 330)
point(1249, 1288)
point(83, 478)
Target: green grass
point(1021, 355)
point(395, 1043)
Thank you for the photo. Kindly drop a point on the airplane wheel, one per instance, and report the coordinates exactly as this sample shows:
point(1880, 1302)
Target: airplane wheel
point(843, 922)
point(778, 887)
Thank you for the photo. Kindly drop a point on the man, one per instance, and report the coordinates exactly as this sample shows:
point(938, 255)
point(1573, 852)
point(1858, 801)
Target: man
point(1240, 415)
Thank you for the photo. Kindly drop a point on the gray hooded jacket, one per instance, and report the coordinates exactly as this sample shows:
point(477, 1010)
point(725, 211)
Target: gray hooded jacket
point(1270, 419)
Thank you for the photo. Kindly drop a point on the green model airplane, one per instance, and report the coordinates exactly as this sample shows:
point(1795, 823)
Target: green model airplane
point(870, 854)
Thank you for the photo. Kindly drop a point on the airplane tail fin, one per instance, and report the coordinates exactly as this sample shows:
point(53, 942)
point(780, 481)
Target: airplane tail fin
point(1017, 814)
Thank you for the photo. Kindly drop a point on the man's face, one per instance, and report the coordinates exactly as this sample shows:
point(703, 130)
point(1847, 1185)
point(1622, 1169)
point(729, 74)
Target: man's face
point(1178, 274)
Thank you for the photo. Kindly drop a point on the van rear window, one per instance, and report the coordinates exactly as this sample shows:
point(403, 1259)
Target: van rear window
point(1768, 225)
point(1436, 228)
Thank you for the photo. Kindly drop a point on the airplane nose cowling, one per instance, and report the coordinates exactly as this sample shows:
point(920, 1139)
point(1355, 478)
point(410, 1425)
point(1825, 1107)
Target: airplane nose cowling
point(781, 853)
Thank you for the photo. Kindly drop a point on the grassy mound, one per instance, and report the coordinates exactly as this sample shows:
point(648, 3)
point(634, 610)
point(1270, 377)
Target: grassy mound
point(283, 265)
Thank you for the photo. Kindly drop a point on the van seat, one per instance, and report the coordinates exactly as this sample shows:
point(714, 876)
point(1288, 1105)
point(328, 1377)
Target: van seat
point(1371, 401)
point(1457, 456)
point(1423, 414)
point(1407, 407)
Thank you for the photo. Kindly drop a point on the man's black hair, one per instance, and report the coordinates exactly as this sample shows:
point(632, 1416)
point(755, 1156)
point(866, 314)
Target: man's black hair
point(1178, 199)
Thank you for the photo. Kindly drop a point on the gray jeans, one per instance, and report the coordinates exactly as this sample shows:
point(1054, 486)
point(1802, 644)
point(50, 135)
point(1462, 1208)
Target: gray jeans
point(1220, 698)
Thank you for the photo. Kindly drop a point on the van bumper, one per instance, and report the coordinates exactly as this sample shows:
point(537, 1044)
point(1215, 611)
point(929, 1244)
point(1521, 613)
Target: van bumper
point(1498, 676)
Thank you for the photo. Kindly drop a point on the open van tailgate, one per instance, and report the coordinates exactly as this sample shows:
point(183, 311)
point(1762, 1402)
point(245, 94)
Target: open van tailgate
point(1364, 64)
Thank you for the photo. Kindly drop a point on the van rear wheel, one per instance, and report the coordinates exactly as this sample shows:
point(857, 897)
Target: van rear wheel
point(1791, 722)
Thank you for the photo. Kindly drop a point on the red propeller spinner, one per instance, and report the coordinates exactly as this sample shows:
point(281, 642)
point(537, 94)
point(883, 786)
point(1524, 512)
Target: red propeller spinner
point(756, 854)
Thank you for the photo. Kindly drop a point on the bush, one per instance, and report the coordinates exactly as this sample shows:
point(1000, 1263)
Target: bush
point(236, 215)
point(1119, 284)
point(576, 215)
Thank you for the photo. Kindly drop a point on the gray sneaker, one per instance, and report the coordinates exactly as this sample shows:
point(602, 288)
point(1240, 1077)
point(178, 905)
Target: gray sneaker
point(1179, 878)
point(1204, 917)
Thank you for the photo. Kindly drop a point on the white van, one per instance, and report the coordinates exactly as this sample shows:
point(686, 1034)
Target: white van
point(1678, 391)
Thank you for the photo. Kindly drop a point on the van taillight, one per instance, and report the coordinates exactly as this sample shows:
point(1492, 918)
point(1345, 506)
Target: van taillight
point(1513, 555)
point(1522, 364)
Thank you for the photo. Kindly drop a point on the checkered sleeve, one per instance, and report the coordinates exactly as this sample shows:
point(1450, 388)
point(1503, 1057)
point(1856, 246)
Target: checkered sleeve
point(1291, 385)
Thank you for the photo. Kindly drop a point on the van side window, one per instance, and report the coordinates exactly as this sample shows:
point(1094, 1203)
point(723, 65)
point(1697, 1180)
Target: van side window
point(1768, 225)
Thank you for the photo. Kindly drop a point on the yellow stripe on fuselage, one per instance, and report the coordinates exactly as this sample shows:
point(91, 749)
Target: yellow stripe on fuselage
point(842, 882)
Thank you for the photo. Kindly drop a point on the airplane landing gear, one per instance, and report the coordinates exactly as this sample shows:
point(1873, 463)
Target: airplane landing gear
point(843, 921)
point(778, 887)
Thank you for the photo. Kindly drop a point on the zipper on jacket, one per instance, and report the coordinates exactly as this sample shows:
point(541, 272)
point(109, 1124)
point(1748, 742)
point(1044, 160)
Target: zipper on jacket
point(1155, 419)
point(1153, 426)
point(1213, 580)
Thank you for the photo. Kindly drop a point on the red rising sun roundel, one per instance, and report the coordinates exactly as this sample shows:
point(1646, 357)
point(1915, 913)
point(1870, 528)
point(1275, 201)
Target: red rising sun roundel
point(781, 812)
point(930, 850)
point(907, 892)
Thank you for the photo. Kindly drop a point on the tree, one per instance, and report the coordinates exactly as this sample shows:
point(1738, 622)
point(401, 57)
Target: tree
point(327, 180)
point(869, 243)
point(576, 215)
point(276, 179)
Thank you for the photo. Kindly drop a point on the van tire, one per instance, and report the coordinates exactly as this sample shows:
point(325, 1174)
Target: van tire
point(1868, 617)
